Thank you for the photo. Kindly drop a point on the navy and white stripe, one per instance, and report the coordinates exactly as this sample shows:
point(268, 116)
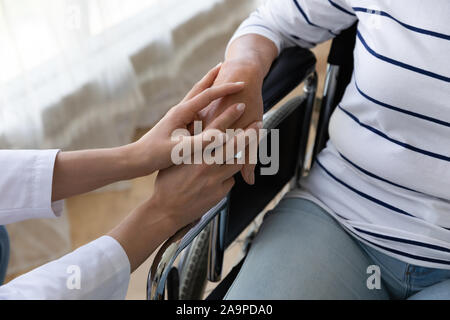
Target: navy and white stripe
point(305, 16)
point(385, 174)
point(408, 26)
point(400, 63)
point(334, 4)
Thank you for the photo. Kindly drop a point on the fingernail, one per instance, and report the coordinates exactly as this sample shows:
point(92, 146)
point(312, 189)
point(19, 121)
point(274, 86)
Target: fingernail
point(240, 107)
point(240, 82)
point(218, 65)
point(259, 124)
point(252, 177)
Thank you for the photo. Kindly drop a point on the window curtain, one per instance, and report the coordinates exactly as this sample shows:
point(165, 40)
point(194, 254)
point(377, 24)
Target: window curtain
point(58, 65)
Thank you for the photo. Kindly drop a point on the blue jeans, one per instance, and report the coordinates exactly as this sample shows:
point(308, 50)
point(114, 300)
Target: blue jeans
point(4, 253)
point(301, 252)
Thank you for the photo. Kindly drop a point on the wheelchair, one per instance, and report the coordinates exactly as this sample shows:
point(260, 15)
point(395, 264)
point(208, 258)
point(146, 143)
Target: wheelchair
point(4, 253)
point(199, 248)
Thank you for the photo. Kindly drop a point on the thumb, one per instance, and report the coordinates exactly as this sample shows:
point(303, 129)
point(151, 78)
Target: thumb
point(248, 173)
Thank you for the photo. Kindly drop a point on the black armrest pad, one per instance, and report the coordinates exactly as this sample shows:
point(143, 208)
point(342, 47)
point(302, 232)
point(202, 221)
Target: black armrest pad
point(288, 71)
point(247, 201)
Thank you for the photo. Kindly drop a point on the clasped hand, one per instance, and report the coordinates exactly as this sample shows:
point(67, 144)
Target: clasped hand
point(187, 191)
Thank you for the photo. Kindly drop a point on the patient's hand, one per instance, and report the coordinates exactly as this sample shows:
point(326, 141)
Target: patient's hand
point(248, 59)
point(154, 148)
point(251, 95)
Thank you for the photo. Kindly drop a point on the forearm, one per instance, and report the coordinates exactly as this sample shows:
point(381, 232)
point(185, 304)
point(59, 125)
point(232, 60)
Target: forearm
point(143, 231)
point(78, 172)
point(253, 51)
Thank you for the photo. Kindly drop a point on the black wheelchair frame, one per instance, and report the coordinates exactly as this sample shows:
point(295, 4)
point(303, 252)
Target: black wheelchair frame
point(232, 215)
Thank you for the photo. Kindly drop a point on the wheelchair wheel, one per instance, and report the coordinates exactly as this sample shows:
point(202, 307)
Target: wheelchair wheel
point(194, 270)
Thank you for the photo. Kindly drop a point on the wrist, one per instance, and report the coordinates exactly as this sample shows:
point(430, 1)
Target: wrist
point(137, 162)
point(246, 66)
point(163, 213)
point(142, 232)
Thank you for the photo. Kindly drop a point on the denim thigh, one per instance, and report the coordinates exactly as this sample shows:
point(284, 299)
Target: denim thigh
point(301, 252)
point(408, 281)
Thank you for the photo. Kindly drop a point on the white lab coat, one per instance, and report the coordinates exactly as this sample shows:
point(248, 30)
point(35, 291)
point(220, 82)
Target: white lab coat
point(98, 270)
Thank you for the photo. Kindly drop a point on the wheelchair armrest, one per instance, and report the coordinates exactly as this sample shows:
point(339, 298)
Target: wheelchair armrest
point(172, 247)
point(289, 70)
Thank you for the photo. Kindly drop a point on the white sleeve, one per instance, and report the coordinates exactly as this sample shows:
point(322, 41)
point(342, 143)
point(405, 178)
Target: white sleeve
point(26, 178)
point(98, 270)
point(303, 23)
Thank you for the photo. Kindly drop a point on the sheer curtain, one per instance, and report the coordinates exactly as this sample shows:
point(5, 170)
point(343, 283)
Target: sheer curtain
point(86, 73)
point(57, 55)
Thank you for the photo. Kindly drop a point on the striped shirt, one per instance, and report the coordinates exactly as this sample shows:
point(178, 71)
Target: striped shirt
point(385, 173)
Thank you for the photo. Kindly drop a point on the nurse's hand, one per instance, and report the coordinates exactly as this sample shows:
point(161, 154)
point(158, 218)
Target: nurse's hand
point(77, 172)
point(183, 193)
point(153, 150)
